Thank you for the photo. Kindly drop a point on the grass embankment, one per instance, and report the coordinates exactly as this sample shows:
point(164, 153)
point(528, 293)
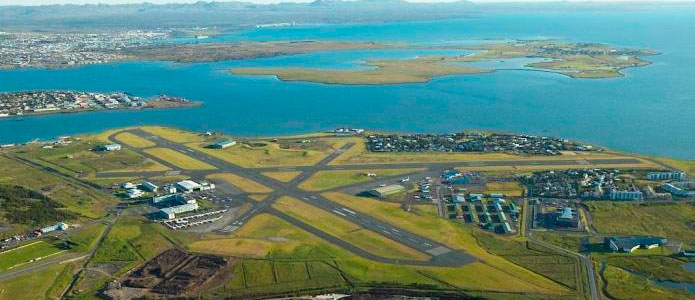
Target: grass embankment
point(282, 176)
point(324, 180)
point(670, 220)
point(44, 284)
point(257, 154)
point(134, 140)
point(350, 232)
point(245, 184)
point(178, 159)
point(656, 267)
point(75, 198)
point(426, 223)
point(273, 239)
point(687, 166)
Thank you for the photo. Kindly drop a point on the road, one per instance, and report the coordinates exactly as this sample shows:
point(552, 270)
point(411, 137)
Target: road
point(585, 260)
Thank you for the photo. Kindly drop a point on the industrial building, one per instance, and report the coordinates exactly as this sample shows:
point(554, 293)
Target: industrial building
point(666, 175)
point(632, 243)
point(222, 144)
point(187, 186)
point(567, 217)
point(382, 192)
point(110, 147)
point(170, 212)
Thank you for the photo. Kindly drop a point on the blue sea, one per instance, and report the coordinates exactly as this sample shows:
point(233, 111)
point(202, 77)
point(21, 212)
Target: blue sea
point(651, 110)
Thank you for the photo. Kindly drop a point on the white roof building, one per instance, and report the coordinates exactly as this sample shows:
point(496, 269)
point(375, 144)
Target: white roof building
point(188, 186)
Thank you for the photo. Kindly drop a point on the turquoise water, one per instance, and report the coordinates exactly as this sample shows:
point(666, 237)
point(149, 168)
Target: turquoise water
point(649, 111)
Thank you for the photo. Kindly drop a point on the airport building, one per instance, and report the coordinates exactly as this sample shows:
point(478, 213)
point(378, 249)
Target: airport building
point(59, 226)
point(149, 186)
point(567, 217)
point(110, 147)
point(223, 144)
point(632, 243)
point(170, 212)
point(385, 191)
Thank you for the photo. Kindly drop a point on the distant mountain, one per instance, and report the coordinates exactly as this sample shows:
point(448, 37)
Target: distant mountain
point(224, 14)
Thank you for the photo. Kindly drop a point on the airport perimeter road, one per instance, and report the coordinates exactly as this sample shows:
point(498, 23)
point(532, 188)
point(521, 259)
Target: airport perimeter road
point(441, 255)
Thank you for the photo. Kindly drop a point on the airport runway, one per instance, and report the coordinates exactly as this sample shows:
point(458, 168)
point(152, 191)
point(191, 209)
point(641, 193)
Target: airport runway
point(441, 254)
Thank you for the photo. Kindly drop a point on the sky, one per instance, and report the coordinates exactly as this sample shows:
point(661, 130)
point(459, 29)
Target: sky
point(41, 2)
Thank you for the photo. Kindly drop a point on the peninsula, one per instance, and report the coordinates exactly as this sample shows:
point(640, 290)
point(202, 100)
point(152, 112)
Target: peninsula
point(576, 60)
point(48, 102)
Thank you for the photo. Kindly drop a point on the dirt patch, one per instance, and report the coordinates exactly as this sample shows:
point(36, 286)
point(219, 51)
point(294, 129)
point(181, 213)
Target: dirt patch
point(174, 272)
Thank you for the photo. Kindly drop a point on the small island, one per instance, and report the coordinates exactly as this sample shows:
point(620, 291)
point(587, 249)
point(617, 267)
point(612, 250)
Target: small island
point(576, 60)
point(49, 102)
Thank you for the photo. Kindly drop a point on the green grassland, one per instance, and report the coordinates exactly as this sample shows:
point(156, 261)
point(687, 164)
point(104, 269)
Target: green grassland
point(178, 159)
point(324, 180)
point(255, 154)
point(134, 140)
point(75, 198)
point(27, 253)
point(620, 284)
point(245, 184)
point(347, 231)
point(670, 220)
point(45, 284)
point(282, 176)
point(592, 61)
point(283, 242)
point(569, 241)
point(653, 266)
point(79, 159)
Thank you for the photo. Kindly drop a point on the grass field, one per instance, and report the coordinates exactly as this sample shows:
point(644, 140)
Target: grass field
point(86, 237)
point(173, 134)
point(26, 254)
point(687, 166)
point(267, 154)
point(625, 286)
point(510, 189)
point(134, 140)
point(350, 232)
point(324, 180)
point(80, 159)
point(131, 240)
point(282, 176)
point(75, 198)
point(287, 243)
point(45, 284)
point(247, 185)
point(178, 159)
point(427, 223)
point(670, 220)
point(569, 241)
point(653, 266)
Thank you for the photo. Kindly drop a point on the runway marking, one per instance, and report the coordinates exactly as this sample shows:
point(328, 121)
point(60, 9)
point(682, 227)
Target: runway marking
point(347, 210)
point(337, 212)
point(438, 251)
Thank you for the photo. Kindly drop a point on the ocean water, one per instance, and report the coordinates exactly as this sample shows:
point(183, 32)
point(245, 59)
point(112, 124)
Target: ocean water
point(651, 110)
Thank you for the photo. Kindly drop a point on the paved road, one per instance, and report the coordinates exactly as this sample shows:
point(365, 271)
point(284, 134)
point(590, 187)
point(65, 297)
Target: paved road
point(441, 254)
point(586, 261)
